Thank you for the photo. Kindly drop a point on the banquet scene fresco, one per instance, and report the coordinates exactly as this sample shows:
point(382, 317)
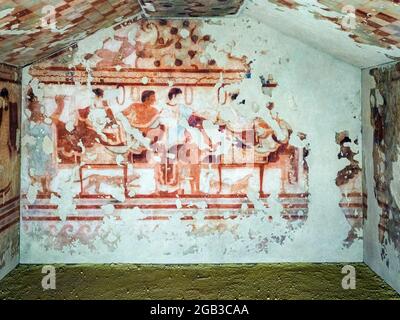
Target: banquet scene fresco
point(174, 134)
point(157, 125)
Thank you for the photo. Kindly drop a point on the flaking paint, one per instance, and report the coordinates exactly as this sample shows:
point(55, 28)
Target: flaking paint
point(312, 86)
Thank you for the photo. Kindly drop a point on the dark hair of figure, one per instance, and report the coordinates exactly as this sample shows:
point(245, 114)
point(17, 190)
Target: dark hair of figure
point(31, 96)
point(173, 93)
point(98, 92)
point(147, 94)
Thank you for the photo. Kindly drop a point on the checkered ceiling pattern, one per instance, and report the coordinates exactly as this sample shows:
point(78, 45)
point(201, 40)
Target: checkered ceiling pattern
point(33, 29)
point(377, 22)
point(184, 8)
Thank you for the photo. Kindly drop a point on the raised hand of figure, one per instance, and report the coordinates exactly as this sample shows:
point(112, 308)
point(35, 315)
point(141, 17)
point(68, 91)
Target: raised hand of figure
point(60, 107)
point(60, 103)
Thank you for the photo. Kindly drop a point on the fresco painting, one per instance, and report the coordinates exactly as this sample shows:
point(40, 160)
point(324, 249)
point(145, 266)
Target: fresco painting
point(10, 103)
point(156, 124)
point(382, 217)
point(349, 181)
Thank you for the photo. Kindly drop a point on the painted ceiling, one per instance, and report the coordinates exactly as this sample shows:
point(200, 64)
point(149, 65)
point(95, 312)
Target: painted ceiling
point(33, 29)
point(184, 8)
point(361, 32)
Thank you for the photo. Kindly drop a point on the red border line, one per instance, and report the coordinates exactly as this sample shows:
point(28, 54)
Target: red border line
point(8, 225)
point(351, 205)
point(9, 213)
point(165, 206)
point(165, 218)
point(139, 70)
point(181, 197)
point(9, 201)
point(10, 81)
point(135, 84)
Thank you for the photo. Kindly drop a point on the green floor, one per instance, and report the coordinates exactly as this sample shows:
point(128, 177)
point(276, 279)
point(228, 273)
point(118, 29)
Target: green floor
point(262, 281)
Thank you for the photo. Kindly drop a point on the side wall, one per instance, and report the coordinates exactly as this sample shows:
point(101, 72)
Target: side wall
point(381, 147)
point(10, 104)
point(190, 141)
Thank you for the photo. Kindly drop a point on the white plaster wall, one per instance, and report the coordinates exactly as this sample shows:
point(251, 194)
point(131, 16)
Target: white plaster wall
point(317, 95)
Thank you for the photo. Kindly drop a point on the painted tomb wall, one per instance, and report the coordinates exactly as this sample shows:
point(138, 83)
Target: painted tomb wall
point(188, 141)
point(381, 137)
point(10, 104)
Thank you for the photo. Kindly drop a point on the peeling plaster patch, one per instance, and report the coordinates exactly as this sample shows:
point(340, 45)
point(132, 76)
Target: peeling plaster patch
point(108, 209)
point(184, 33)
point(119, 159)
point(148, 6)
point(70, 125)
point(6, 12)
point(348, 180)
point(91, 44)
point(145, 80)
point(48, 145)
point(255, 199)
point(353, 168)
point(117, 193)
point(32, 192)
point(67, 191)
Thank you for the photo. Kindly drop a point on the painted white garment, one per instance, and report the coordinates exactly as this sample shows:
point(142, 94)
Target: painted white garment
point(175, 118)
